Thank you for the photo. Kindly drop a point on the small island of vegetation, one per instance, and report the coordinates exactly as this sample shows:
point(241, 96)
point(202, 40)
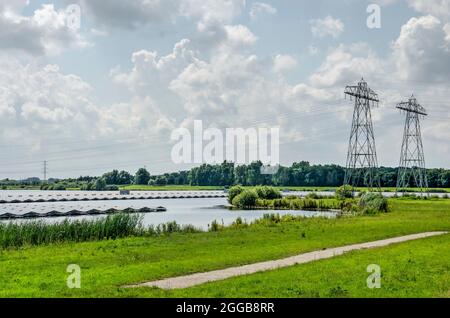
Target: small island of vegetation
point(265, 197)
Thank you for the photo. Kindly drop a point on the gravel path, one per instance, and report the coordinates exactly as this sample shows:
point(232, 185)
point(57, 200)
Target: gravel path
point(201, 278)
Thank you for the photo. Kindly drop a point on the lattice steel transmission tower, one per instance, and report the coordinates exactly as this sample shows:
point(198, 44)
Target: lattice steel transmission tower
point(412, 158)
point(362, 163)
point(45, 170)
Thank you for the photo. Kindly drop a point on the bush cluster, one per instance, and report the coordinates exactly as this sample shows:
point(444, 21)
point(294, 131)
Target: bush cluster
point(247, 198)
point(344, 192)
point(373, 203)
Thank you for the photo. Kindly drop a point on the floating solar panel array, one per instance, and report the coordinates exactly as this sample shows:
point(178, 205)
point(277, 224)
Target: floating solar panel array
point(76, 196)
point(12, 211)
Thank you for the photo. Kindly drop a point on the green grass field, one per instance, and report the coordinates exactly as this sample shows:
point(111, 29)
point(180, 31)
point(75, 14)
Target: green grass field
point(168, 188)
point(413, 269)
point(107, 265)
point(193, 188)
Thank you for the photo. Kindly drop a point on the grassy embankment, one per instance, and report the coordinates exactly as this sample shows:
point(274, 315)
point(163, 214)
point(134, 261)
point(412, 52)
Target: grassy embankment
point(415, 269)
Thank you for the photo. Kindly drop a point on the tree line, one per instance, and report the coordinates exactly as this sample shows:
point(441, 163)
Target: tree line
point(299, 174)
point(228, 174)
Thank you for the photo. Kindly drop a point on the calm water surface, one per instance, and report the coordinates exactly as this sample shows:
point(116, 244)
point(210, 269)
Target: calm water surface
point(197, 212)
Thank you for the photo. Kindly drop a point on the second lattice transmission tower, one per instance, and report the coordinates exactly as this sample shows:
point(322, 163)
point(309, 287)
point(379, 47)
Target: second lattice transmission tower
point(412, 171)
point(362, 164)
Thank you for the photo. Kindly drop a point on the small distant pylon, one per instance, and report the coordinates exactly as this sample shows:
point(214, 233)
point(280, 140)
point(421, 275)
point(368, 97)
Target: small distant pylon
point(412, 158)
point(45, 170)
point(362, 163)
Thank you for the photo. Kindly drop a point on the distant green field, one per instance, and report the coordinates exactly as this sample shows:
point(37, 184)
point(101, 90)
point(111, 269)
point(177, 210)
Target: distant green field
point(414, 269)
point(169, 188)
point(21, 188)
point(389, 189)
point(193, 188)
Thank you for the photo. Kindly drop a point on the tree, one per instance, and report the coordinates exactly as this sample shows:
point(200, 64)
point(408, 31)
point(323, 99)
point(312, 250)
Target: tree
point(111, 177)
point(161, 181)
point(254, 176)
point(344, 192)
point(125, 178)
point(142, 177)
point(100, 184)
point(240, 175)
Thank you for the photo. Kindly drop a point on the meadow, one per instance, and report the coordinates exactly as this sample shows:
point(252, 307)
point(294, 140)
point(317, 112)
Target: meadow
point(106, 265)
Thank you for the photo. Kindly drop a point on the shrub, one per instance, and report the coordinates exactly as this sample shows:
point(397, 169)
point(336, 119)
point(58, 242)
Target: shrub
point(234, 192)
point(309, 204)
point(275, 218)
point(373, 203)
point(215, 226)
point(313, 195)
point(344, 192)
point(59, 187)
point(239, 223)
point(268, 193)
point(246, 199)
point(362, 193)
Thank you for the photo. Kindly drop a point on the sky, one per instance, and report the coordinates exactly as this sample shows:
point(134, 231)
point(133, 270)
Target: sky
point(106, 89)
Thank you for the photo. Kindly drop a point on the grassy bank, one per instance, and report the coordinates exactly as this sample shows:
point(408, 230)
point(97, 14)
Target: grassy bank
point(107, 265)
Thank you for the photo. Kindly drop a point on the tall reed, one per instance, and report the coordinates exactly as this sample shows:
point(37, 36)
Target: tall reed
point(115, 226)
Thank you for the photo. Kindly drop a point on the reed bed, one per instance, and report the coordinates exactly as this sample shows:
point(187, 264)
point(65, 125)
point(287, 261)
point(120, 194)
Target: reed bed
point(295, 203)
point(14, 235)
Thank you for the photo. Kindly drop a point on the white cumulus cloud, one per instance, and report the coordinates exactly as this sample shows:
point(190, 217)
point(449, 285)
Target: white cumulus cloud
point(327, 26)
point(260, 8)
point(45, 32)
point(283, 63)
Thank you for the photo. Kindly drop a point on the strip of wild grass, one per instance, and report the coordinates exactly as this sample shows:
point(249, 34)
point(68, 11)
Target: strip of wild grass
point(302, 204)
point(13, 235)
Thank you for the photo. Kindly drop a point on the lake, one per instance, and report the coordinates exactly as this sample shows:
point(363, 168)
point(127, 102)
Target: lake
point(197, 212)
